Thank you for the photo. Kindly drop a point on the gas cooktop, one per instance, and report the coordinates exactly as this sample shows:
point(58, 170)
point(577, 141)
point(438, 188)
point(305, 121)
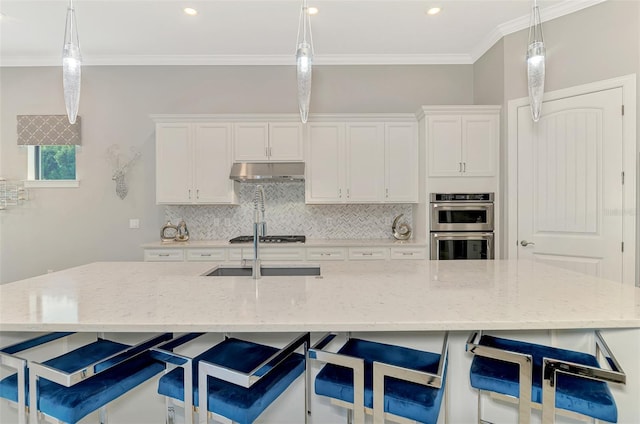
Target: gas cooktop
point(269, 239)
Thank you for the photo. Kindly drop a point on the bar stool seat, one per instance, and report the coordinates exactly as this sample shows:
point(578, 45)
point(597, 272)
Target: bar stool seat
point(112, 369)
point(233, 401)
point(403, 397)
point(577, 385)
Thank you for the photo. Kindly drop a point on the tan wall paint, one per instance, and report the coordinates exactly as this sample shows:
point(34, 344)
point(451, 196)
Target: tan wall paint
point(60, 228)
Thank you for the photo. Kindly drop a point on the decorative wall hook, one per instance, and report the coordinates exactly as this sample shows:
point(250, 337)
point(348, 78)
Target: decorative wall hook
point(121, 166)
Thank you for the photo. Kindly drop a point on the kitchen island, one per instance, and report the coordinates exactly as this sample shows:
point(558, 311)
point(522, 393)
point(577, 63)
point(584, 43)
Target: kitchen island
point(412, 298)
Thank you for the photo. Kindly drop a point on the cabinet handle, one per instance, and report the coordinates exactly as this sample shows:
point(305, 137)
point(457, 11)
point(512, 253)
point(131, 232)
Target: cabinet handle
point(198, 194)
point(270, 153)
point(348, 194)
point(163, 254)
point(340, 193)
point(189, 194)
point(205, 254)
point(464, 166)
point(459, 166)
point(367, 253)
point(387, 192)
point(407, 253)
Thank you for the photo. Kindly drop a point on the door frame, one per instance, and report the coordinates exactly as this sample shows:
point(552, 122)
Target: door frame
point(630, 153)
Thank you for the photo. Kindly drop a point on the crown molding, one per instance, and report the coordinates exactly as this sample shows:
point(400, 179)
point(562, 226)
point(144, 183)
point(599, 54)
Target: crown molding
point(242, 60)
point(547, 14)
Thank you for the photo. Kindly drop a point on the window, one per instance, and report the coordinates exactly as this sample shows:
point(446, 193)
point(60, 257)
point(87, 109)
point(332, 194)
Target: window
point(52, 163)
point(52, 144)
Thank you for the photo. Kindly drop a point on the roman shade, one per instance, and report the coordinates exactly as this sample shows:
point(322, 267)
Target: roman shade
point(47, 130)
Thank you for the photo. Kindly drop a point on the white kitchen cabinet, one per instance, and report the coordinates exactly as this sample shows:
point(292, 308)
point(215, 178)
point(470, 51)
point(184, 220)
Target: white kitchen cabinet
point(326, 253)
point(164, 255)
point(408, 252)
point(361, 162)
point(268, 141)
point(462, 142)
point(364, 170)
point(368, 253)
point(206, 254)
point(193, 161)
point(401, 162)
point(325, 163)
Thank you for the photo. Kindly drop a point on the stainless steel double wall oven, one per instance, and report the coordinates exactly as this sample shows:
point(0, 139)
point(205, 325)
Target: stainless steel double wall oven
point(462, 226)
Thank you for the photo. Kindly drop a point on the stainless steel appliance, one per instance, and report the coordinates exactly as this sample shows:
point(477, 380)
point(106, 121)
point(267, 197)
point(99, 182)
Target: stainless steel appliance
point(462, 226)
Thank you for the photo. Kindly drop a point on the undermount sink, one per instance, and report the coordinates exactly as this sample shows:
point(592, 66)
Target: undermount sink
point(265, 271)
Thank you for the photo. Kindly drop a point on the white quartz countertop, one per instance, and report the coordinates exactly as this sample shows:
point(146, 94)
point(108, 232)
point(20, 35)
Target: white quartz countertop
point(350, 296)
point(308, 243)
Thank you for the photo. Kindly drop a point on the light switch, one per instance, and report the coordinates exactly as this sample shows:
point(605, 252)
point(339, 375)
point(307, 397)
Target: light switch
point(134, 223)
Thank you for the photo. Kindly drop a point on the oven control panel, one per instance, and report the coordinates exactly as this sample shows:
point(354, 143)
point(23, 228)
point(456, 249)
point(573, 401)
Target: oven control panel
point(461, 197)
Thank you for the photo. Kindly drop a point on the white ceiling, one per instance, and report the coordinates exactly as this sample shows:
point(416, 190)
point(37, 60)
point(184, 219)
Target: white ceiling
point(146, 32)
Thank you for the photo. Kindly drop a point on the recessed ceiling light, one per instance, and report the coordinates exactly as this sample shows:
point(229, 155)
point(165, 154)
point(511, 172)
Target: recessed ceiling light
point(312, 10)
point(190, 11)
point(434, 11)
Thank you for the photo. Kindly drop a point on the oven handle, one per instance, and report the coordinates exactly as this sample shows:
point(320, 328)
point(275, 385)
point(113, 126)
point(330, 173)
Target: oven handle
point(462, 206)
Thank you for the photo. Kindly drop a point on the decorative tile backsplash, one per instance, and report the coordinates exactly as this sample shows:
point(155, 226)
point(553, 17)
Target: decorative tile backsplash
point(286, 213)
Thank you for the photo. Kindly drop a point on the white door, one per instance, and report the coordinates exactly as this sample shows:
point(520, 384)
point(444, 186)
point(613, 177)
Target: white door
point(325, 163)
point(570, 192)
point(444, 139)
point(365, 162)
point(212, 158)
point(285, 141)
point(479, 136)
point(251, 141)
point(401, 158)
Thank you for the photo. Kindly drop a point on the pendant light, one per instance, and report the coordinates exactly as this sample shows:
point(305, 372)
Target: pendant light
point(304, 62)
point(535, 63)
point(71, 65)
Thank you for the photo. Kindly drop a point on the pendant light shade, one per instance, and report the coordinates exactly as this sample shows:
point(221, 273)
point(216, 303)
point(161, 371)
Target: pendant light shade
point(304, 62)
point(535, 64)
point(71, 65)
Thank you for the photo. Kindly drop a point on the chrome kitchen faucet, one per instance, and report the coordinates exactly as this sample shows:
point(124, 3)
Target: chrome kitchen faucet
point(259, 227)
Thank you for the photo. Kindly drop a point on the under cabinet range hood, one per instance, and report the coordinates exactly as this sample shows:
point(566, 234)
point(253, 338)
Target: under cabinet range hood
point(267, 172)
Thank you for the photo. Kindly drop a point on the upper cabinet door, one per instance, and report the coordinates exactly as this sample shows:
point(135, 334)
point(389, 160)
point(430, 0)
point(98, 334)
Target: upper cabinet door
point(365, 162)
point(212, 163)
point(324, 180)
point(285, 141)
point(479, 135)
point(251, 141)
point(173, 163)
point(401, 160)
point(444, 137)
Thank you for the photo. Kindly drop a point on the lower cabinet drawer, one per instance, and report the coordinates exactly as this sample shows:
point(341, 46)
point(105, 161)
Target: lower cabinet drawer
point(164, 255)
point(326, 254)
point(206, 254)
point(408, 253)
point(279, 253)
point(370, 253)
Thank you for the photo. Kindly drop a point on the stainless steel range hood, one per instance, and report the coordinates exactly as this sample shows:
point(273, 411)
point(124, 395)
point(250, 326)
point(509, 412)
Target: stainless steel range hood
point(266, 172)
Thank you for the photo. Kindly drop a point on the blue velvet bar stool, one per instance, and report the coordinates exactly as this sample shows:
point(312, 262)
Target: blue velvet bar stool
point(236, 379)
point(388, 381)
point(558, 381)
point(70, 386)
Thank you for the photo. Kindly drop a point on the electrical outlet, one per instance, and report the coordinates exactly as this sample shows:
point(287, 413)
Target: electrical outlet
point(134, 223)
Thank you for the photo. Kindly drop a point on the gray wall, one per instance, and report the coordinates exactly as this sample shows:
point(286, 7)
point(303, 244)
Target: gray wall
point(59, 228)
point(597, 43)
